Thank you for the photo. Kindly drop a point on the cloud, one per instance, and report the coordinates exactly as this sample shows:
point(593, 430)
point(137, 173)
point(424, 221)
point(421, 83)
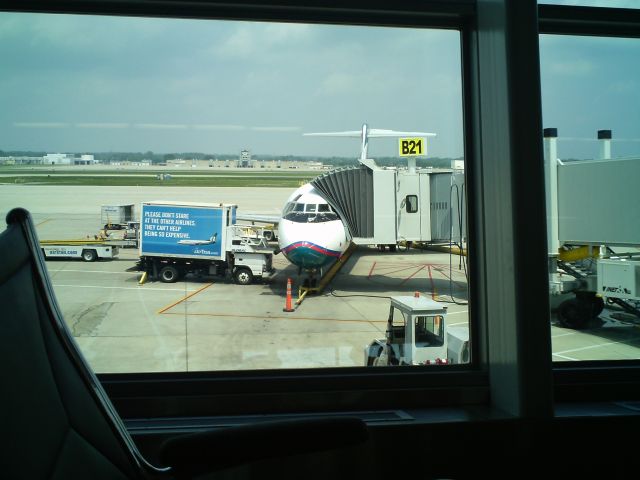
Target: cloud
point(572, 68)
point(102, 125)
point(160, 126)
point(219, 127)
point(262, 40)
point(276, 129)
point(625, 87)
point(338, 83)
point(40, 125)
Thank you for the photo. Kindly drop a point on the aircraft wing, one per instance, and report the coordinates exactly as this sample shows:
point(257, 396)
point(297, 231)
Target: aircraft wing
point(377, 132)
point(353, 133)
point(372, 132)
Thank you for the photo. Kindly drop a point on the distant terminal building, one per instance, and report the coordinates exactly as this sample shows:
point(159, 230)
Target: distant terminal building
point(20, 160)
point(50, 159)
point(57, 159)
point(68, 159)
point(85, 160)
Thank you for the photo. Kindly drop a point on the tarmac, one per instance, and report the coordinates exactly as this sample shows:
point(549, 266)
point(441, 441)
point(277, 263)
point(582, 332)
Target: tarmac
point(210, 323)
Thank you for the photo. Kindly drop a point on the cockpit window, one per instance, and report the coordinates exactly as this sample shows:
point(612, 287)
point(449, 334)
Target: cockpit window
point(310, 213)
point(288, 207)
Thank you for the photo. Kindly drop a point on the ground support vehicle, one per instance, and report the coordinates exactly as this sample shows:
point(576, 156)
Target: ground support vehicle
point(177, 239)
point(117, 217)
point(593, 278)
point(84, 250)
point(416, 335)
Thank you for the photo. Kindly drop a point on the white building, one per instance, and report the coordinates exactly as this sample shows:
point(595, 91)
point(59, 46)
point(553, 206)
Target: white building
point(58, 159)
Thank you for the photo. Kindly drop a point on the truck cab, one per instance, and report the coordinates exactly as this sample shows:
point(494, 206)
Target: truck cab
point(415, 335)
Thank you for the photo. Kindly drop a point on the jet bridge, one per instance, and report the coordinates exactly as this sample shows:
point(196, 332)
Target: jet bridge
point(592, 234)
point(349, 190)
point(385, 206)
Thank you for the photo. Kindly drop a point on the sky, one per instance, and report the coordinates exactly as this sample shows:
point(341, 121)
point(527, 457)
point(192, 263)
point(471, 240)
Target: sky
point(75, 84)
point(78, 83)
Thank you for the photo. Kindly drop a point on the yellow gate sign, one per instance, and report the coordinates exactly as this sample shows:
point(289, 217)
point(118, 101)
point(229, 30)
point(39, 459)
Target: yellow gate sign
point(410, 147)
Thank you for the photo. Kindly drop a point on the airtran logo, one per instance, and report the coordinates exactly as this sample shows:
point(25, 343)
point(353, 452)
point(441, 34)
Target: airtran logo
point(410, 147)
point(62, 252)
point(616, 290)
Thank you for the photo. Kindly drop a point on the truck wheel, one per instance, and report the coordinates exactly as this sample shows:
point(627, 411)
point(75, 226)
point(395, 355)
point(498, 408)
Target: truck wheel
point(243, 276)
point(573, 314)
point(268, 235)
point(169, 274)
point(89, 255)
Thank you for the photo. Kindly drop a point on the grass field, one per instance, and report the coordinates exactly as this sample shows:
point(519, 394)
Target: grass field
point(200, 178)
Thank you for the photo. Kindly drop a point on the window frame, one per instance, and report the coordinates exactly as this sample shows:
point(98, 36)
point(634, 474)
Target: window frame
point(510, 371)
point(604, 380)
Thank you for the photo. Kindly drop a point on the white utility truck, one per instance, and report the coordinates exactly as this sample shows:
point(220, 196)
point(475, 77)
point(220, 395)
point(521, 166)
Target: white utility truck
point(180, 238)
point(87, 251)
point(416, 335)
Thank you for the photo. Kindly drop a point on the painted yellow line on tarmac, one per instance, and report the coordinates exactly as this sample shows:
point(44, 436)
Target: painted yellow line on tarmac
point(43, 222)
point(184, 298)
point(283, 317)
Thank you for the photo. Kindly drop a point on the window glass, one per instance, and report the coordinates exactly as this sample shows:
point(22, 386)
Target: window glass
point(150, 136)
point(412, 203)
point(591, 100)
point(429, 330)
point(594, 3)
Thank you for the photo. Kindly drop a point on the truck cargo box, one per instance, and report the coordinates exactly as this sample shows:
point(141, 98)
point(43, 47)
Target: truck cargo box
point(117, 214)
point(185, 230)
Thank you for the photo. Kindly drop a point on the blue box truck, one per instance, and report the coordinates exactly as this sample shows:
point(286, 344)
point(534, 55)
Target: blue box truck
point(181, 238)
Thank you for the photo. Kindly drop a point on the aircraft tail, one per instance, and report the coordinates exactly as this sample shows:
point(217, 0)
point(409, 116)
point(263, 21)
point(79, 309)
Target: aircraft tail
point(367, 133)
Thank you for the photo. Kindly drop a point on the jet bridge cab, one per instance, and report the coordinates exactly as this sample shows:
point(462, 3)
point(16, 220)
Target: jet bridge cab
point(415, 334)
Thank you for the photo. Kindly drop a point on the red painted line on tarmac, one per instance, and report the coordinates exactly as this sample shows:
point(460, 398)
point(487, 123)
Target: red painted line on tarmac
point(433, 287)
point(371, 271)
point(389, 272)
point(412, 275)
point(458, 283)
point(397, 264)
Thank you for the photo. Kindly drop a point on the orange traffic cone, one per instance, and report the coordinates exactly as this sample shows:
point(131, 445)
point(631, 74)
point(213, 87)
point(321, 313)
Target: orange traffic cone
point(287, 305)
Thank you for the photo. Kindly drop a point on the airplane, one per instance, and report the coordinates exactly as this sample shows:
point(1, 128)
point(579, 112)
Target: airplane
point(211, 241)
point(311, 235)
